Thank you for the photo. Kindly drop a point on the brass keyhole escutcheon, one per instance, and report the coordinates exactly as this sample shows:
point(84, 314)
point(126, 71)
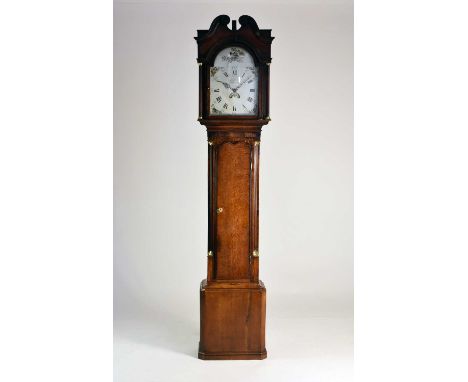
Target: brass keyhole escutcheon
point(219, 210)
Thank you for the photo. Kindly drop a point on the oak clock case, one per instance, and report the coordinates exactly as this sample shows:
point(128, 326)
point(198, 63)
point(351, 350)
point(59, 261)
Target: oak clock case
point(233, 105)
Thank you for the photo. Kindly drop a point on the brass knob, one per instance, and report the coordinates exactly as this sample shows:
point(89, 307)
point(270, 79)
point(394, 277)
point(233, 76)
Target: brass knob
point(210, 253)
point(219, 210)
point(255, 253)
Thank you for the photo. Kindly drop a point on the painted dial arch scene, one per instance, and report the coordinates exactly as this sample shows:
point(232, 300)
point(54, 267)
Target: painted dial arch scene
point(233, 83)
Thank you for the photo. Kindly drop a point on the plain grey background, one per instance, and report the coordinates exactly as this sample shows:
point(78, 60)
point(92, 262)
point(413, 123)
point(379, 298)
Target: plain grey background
point(160, 191)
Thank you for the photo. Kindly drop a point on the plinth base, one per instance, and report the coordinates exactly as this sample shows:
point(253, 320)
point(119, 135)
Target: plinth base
point(231, 356)
point(232, 321)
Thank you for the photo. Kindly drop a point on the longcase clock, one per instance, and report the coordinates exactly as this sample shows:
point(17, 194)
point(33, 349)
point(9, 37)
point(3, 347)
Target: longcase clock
point(233, 105)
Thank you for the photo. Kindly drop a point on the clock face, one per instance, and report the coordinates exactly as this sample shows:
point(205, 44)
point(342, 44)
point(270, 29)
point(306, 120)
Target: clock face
point(233, 83)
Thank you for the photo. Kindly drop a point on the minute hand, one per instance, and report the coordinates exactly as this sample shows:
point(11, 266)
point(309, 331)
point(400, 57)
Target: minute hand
point(242, 83)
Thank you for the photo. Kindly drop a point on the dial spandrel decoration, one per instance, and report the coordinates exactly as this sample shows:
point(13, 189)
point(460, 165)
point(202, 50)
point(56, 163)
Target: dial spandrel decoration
point(233, 83)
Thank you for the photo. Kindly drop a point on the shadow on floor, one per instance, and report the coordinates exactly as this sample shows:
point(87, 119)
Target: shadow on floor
point(162, 329)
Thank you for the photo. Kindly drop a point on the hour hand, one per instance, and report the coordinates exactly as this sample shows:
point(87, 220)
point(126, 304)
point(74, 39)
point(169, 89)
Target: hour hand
point(226, 85)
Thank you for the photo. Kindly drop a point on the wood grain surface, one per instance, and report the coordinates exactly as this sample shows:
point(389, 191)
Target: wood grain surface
point(233, 222)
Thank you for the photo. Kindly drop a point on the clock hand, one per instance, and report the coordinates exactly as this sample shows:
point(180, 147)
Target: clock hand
point(226, 85)
point(242, 83)
point(234, 90)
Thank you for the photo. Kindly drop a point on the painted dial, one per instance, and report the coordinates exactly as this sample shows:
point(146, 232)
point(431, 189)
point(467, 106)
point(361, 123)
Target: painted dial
point(233, 83)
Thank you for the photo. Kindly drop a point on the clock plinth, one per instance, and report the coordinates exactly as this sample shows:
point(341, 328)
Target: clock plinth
point(234, 105)
point(232, 321)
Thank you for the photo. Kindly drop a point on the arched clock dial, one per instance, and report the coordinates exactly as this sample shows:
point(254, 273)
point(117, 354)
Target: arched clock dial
point(233, 83)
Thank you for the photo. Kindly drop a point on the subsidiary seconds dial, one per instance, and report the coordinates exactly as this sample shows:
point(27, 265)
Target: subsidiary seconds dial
point(233, 83)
